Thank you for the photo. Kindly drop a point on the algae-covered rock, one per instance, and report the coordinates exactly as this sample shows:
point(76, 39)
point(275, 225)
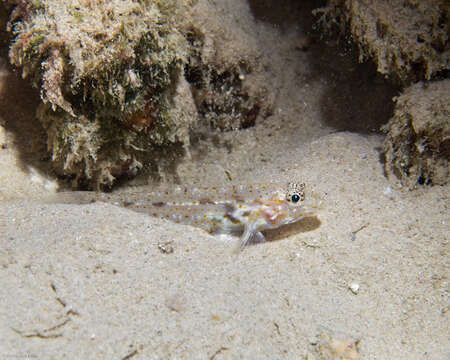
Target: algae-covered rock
point(417, 145)
point(106, 71)
point(222, 97)
point(407, 39)
point(124, 81)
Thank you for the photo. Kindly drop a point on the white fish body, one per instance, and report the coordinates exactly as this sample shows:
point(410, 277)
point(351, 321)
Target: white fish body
point(246, 210)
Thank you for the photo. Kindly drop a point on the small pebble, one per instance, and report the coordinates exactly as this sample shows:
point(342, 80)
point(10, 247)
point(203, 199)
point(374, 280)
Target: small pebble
point(354, 288)
point(166, 247)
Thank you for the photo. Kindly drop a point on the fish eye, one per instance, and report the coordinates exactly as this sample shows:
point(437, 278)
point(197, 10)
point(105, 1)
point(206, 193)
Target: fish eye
point(295, 198)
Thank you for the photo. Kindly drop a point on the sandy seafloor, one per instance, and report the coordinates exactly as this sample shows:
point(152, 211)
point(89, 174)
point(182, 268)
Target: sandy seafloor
point(92, 282)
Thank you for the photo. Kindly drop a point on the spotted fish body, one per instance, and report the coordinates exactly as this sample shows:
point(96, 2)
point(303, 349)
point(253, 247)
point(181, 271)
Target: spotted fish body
point(236, 210)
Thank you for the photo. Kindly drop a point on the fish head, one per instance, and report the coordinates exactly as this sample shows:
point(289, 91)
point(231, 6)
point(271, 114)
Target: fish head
point(288, 206)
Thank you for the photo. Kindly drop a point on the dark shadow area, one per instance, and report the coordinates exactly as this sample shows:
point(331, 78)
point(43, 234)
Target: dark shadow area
point(285, 13)
point(18, 103)
point(357, 97)
point(304, 225)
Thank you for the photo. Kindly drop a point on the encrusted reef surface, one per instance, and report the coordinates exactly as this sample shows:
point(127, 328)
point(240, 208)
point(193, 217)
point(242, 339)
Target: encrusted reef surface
point(123, 81)
point(408, 40)
point(417, 144)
